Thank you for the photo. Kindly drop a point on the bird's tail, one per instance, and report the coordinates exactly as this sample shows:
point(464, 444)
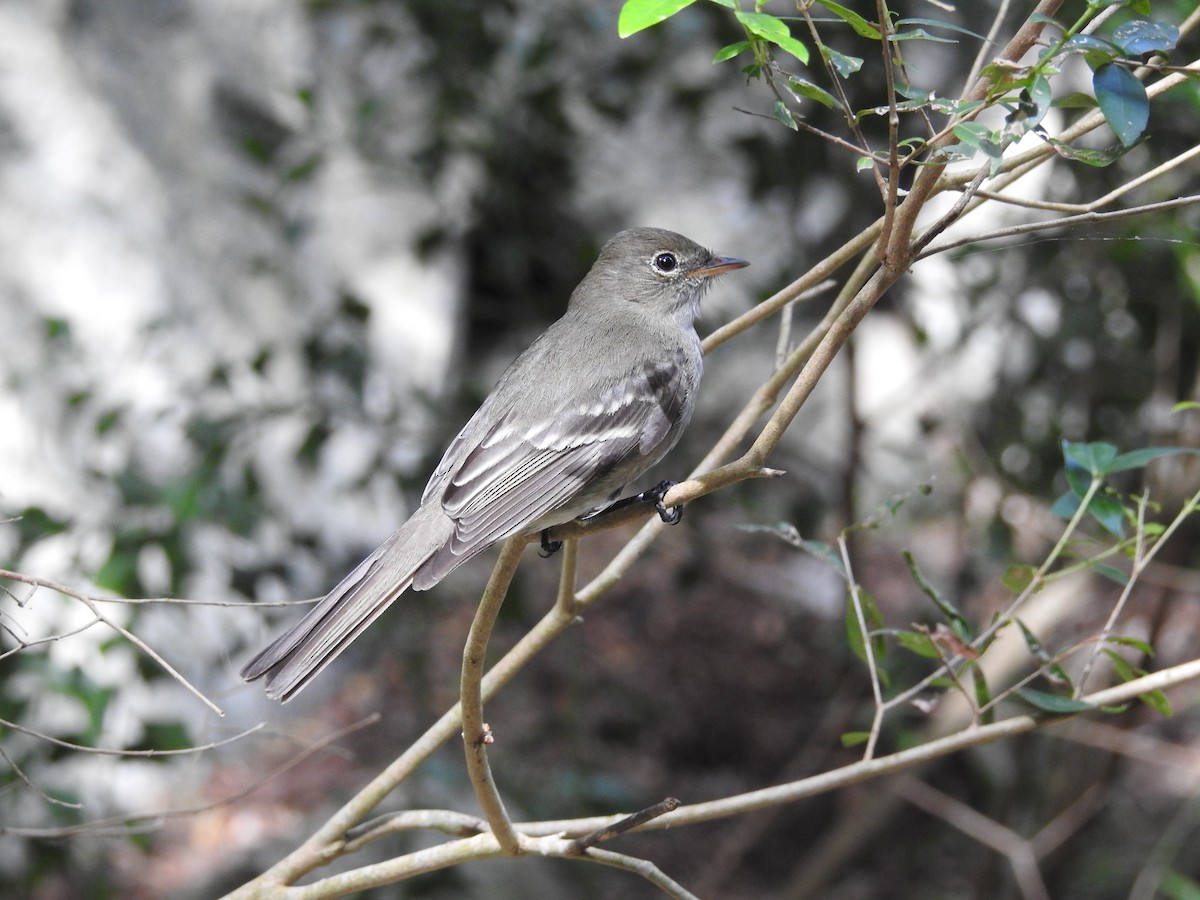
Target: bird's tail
point(296, 657)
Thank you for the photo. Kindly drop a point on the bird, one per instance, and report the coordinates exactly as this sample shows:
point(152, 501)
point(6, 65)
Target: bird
point(596, 400)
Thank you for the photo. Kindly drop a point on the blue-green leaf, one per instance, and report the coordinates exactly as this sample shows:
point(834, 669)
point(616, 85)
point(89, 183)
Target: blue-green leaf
point(845, 65)
point(1109, 512)
point(1140, 37)
point(1112, 573)
point(783, 115)
point(1053, 703)
point(1135, 459)
point(1095, 51)
point(1094, 457)
point(1123, 101)
point(1066, 506)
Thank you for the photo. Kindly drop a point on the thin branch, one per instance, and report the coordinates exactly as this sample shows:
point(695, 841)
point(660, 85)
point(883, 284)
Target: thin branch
point(989, 41)
point(868, 646)
point(565, 601)
point(134, 823)
point(102, 751)
point(476, 733)
point(90, 602)
point(616, 829)
point(1142, 558)
point(983, 829)
point(642, 867)
point(1064, 222)
point(12, 764)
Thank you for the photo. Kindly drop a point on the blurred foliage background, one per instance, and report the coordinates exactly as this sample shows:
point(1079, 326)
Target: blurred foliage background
point(261, 261)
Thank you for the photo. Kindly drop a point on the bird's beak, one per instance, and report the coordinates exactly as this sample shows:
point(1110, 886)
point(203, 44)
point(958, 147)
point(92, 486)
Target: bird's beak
point(718, 265)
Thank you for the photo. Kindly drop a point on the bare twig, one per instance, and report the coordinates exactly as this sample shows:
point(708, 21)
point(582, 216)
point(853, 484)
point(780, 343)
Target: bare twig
point(134, 823)
point(103, 751)
point(608, 832)
point(476, 733)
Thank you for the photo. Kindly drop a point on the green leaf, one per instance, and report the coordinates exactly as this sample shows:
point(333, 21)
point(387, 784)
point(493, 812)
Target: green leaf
point(1136, 643)
point(1054, 671)
point(1094, 50)
point(1066, 506)
point(1018, 577)
point(1093, 458)
point(1109, 512)
point(783, 115)
point(917, 643)
point(983, 695)
point(1095, 158)
point(960, 625)
point(955, 153)
point(845, 65)
point(1112, 573)
point(1075, 100)
point(775, 30)
point(1139, 37)
point(786, 531)
point(638, 15)
point(860, 25)
point(1185, 404)
point(803, 88)
point(1177, 886)
point(1135, 459)
point(1123, 667)
point(766, 26)
point(1123, 101)
point(729, 51)
point(980, 138)
point(1158, 702)
point(1053, 703)
point(946, 26)
point(855, 738)
point(919, 34)
point(1127, 672)
point(972, 134)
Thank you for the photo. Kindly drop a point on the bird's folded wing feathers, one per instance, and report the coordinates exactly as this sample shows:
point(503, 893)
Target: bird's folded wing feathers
point(515, 476)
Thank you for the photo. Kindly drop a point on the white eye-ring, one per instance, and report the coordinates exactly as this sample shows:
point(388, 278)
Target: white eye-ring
point(665, 262)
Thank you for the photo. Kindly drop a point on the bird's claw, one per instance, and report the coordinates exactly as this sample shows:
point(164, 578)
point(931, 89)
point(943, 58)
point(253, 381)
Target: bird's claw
point(549, 547)
point(669, 516)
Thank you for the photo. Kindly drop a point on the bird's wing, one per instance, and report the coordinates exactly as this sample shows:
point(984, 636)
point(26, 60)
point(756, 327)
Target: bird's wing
point(498, 484)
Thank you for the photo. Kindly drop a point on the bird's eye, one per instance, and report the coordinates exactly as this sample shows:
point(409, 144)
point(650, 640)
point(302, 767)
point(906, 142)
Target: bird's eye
point(665, 262)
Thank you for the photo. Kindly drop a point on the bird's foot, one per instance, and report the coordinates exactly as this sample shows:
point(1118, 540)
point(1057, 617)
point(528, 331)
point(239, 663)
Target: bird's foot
point(671, 516)
point(549, 547)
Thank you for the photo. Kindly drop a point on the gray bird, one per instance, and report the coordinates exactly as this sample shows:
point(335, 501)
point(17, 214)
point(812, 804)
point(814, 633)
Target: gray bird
point(593, 403)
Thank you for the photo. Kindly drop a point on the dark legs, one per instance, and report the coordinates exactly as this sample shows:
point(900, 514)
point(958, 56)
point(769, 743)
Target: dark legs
point(655, 495)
